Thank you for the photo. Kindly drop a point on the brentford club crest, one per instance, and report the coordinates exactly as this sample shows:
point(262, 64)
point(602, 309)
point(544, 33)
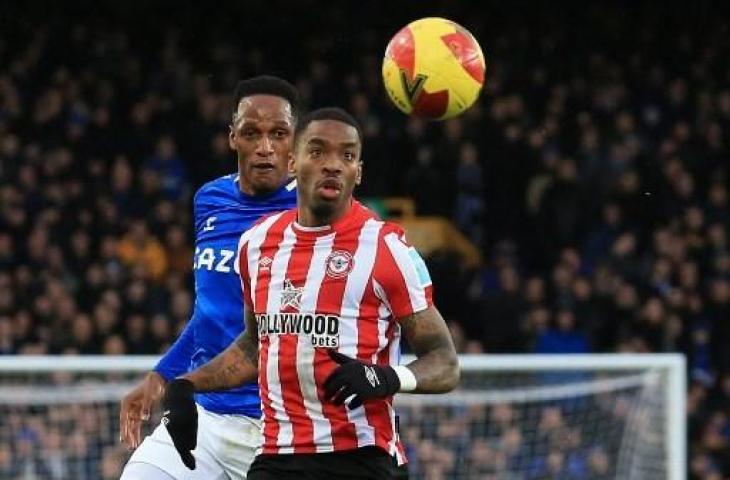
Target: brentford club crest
point(339, 263)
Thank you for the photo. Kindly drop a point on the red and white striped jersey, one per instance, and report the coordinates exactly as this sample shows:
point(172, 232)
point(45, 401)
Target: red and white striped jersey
point(340, 286)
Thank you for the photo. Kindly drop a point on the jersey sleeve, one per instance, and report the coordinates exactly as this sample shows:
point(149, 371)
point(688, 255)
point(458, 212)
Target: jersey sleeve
point(199, 208)
point(401, 277)
point(176, 360)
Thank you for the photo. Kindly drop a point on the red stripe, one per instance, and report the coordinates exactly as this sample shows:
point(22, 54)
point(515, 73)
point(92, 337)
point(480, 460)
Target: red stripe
point(288, 345)
point(389, 276)
point(329, 300)
point(268, 248)
point(383, 357)
point(376, 411)
point(271, 426)
point(368, 341)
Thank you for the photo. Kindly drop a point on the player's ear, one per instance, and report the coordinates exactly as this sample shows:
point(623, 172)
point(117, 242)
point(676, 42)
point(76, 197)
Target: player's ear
point(231, 138)
point(358, 178)
point(292, 165)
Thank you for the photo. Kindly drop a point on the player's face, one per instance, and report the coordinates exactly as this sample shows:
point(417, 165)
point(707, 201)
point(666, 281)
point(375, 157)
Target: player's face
point(327, 166)
point(261, 134)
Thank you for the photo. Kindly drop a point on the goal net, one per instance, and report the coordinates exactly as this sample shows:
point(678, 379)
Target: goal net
point(514, 417)
point(59, 416)
point(595, 417)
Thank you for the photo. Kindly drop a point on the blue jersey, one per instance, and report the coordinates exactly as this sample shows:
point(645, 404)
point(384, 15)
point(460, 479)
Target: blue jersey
point(222, 213)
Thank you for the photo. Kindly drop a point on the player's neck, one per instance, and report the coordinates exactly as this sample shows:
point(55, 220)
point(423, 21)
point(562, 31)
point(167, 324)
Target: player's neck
point(247, 189)
point(309, 217)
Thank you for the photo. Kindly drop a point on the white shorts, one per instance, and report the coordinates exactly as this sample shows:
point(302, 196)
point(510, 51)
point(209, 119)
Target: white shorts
point(226, 447)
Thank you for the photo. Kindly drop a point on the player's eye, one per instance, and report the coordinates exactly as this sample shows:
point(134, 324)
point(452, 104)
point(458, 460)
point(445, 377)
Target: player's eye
point(249, 134)
point(315, 152)
point(349, 156)
point(280, 133)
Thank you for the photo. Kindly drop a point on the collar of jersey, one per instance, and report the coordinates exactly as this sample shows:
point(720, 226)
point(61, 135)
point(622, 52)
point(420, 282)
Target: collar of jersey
point(338, 225)
point(321, 228)
point(288, 186)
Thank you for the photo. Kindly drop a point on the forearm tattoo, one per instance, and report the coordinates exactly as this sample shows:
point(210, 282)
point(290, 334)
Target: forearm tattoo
point(437, 366)
point(249, 347)
point(236, 365)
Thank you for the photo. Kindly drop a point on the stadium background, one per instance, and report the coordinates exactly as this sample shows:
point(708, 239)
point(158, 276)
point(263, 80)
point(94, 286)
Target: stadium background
point(591, 176)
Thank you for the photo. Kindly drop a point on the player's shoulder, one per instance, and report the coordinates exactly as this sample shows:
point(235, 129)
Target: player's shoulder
point(389, 227)
point(221, 185)
point(217, 190)
point(392, 230)
point(393, 240)
point(386, 229)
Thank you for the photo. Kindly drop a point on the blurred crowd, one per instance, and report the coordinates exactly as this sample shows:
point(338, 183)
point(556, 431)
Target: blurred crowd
point(521, 441)
point(592, 174)
point(77, 441)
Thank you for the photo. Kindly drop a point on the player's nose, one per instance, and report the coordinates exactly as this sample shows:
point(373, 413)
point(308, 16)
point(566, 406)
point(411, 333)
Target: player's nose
point(264, 147)
point(332, 165)
point(331, 171)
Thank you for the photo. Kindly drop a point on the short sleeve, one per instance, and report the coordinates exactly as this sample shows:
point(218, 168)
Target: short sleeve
point(401, 277)
point(243, 270)
point(199, 209)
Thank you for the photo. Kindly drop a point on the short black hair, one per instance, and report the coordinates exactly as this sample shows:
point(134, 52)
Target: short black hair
point(267, 85)
point(327, 113)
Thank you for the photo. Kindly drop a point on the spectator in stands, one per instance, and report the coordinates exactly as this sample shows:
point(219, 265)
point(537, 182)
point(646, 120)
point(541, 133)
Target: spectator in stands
point(27, 460)
point(140, 250)
point(563, 337)
point(169, 168)
point(469, 212)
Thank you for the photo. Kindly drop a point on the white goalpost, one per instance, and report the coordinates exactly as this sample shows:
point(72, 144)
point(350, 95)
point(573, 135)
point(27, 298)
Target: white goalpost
point(606, 416)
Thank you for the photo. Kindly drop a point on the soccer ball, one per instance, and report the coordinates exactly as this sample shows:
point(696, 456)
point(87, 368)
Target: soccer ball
point(433, 68)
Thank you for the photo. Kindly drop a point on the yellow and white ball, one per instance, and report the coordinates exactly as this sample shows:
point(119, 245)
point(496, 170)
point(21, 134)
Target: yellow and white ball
point(433, 68)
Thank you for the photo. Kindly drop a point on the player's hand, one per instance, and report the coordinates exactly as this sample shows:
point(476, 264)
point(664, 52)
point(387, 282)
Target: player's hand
point(180, 417)
point(359, 380)
point(136, 406)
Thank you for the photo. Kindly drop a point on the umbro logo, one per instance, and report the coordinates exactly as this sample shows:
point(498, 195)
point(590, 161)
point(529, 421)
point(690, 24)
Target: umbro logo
point(265, 263)
point(371, 376)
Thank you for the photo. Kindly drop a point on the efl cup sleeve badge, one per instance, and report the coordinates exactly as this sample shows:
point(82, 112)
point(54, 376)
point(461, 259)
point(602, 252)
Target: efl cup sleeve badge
point(339, 264)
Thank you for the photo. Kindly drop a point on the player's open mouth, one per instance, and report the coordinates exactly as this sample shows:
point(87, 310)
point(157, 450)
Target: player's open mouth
point(264, 167)
point(329, 188)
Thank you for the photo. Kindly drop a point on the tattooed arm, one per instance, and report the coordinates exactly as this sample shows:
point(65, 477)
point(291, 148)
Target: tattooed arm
point(436, 367)
point(236, 365)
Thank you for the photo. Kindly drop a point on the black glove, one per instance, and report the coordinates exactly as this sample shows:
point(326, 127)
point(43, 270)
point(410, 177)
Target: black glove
point(180, 417)
point(363, 380)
